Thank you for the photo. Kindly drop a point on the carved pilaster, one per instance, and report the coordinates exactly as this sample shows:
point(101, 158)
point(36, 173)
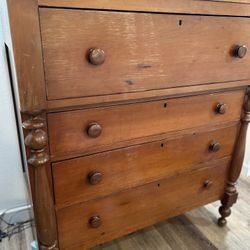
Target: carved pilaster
point(36, 141)
point(231, 193)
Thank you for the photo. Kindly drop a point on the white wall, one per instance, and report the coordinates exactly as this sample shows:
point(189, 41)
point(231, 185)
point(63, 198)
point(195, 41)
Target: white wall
point(13, 190)
point(246, 164)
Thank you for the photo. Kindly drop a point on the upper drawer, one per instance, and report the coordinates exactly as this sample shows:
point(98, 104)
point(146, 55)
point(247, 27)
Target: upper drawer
point(138, 52)
point(92, 129)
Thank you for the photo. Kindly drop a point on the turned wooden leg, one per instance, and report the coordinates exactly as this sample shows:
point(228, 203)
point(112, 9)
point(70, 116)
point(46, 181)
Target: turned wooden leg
point(36, 141)
point(231, 194)
point(228, 200)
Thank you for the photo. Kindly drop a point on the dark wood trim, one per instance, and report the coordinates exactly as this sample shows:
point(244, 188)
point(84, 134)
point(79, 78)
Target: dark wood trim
point(231, 193)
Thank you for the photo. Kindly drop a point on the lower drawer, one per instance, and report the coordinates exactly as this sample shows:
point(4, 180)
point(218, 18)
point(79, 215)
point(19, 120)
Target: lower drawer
point(97, 175)
point(104, 219)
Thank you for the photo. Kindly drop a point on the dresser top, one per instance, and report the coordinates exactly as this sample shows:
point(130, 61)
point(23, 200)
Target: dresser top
point(209, 7)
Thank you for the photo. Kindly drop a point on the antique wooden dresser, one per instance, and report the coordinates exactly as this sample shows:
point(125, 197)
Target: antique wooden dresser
point(132, 111)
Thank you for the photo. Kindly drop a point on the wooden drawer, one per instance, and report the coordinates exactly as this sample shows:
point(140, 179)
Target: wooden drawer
point(101, 174)
point(142, 51)
point(136, 208)
point(72, 132)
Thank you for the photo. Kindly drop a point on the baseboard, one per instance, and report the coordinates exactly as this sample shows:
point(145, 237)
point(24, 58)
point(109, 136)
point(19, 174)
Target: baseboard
point(245, 170)
point(17, 214)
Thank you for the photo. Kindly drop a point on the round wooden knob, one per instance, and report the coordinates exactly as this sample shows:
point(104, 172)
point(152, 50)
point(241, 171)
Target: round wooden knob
point(241, 51)
point(221, 108)
point(96, 56)
point(95, 221)
point(94, 178)
point(214, 146)
point(94, 130)
point(208, 184)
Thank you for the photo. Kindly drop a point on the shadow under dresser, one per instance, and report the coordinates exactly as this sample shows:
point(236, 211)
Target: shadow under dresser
point(132, 111)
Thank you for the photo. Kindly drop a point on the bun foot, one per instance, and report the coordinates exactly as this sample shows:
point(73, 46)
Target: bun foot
point(222, 222)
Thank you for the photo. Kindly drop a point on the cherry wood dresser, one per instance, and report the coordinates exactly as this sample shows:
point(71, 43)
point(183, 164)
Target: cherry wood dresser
point(132, 111)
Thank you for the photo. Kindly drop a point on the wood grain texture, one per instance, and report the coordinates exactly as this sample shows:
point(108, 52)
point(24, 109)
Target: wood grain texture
point(36, 142)
point(194, 230)
point(137, 165)
point(232, 1)
point(95, 101)
point(138, 56)
point(231, 7)
point(231, 193)
point(142, 140)
point(143, 51)
point(239, 153)
point(25, 31)
point(27, 54)
point(140, 206)
point(128, 122)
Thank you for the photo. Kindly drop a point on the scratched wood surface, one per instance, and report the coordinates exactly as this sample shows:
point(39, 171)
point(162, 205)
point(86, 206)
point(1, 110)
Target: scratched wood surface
point(28, 54)
point(127, 211)
point(128, 122)
point(95, 101)
point(141, 55)
point(137, 165)
point(179, 233)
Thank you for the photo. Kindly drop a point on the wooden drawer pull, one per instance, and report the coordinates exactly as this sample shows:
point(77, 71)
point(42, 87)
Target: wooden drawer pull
point(94, 178)
point(96, 56)
point(240, 51)
point(95, 221)
point(221, 108)
point(94, 130)
point(214, 146)
point(207, 184)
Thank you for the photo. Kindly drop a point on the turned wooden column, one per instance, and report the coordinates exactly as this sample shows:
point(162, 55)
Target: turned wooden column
point(231, 194)
point(36, 141)
point(27, 50)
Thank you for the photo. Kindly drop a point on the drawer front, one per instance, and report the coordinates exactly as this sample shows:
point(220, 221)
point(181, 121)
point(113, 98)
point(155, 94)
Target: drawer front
point(101, 174)
point(100, 220)
point(97, 53)
point(93, 129)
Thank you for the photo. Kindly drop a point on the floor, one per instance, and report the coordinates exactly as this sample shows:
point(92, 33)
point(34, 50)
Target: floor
point(19, 241)
point(196, 230)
